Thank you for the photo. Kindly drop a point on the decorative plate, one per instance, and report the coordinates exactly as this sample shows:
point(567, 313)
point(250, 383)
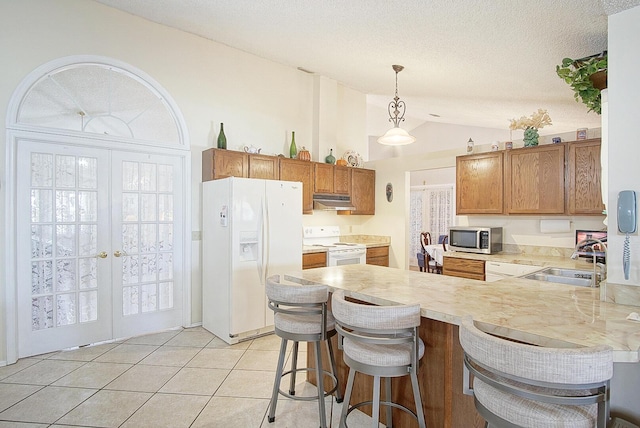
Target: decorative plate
point(353, 158)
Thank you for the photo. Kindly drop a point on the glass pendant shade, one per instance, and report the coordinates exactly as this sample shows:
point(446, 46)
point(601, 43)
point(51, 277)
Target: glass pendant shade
point(396, 136)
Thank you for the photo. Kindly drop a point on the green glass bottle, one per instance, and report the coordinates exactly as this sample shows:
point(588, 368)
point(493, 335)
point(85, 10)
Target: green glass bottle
point(293, 150)
point(222, 139)
point(331, 158)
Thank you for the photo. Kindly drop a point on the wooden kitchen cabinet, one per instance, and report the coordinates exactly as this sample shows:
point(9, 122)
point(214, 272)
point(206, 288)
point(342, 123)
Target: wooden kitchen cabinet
point(378, 256)
point(323, 178)
point(220, 163)
point(480, 183)
point(534, 180)
point(331, 179)
point(363, 196)
point(583, 176)
point(341, 180)
point(463, 268)
point(314, 260)
point(262, 166)
point(298, 170)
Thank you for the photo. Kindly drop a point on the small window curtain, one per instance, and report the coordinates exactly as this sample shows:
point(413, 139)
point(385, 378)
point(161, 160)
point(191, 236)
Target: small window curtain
point(432, 210)
point(415, 227)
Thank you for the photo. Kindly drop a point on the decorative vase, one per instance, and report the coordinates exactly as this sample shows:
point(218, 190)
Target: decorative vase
point(530, 137)
point(330, 159)
point(293, 150)
point(222, 139)
point(304, 154)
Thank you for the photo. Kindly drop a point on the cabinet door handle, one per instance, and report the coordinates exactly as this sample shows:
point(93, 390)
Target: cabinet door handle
point(102, 255)
point(118, 253)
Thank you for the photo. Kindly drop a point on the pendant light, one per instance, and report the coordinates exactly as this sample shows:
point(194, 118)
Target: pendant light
point(396, 136)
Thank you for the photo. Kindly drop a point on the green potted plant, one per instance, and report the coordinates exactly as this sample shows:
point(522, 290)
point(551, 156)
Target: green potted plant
point(587, 77)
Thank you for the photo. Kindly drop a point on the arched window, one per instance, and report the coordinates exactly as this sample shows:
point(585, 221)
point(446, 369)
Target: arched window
point(99, 98)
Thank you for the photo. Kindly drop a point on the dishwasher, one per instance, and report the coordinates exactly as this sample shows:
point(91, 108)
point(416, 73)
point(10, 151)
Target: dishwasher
point(495, 271)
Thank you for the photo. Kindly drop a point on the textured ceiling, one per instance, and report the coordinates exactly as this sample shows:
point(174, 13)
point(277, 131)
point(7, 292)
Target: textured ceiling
point(472, 62)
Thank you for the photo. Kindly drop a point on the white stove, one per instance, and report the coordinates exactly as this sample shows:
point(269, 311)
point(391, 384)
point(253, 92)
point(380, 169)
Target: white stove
point(338, 253)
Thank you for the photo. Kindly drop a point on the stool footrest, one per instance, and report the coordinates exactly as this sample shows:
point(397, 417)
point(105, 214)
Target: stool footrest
point(382, 403)
point(292, 395)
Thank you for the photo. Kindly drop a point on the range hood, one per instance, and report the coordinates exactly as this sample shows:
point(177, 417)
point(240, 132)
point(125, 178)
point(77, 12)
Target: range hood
point(329, 202)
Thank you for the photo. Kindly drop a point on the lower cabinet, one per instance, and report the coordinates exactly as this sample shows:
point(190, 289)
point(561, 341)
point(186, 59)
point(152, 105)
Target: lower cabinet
point(314, 260)
point(378, 256)
point(463, 268)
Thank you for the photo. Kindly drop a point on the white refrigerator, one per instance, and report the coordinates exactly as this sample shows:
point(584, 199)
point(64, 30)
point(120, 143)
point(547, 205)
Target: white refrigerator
point(251, 229)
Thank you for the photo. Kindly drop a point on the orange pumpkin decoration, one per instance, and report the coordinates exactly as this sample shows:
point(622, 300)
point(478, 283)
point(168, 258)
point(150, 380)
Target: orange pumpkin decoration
point(304, 154)
point(341, 162)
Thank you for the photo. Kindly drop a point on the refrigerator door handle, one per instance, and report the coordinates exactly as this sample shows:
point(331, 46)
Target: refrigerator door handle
point(260, 261)
point(266, 243)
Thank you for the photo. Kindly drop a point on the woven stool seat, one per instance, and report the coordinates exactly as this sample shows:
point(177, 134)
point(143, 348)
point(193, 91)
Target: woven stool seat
point(303, 324)
point(381, 355)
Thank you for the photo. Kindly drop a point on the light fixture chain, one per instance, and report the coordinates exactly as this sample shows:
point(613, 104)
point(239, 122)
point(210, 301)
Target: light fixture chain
point(396, 107)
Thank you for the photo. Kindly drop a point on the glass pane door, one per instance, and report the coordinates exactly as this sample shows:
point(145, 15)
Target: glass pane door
point(147, 242)
point(63, 271)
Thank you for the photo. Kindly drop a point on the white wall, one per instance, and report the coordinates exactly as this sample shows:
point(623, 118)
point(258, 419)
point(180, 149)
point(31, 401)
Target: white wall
point(259, 101)
point(624, 147)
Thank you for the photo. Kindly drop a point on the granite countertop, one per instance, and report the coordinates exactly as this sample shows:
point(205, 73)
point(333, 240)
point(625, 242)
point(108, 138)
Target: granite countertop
point(537, 312)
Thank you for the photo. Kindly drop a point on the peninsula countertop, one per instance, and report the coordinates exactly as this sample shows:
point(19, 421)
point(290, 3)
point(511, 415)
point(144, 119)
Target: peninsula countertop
point(536, 312)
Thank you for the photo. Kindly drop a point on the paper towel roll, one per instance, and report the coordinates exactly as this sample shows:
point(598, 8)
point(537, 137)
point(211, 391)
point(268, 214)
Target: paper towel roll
point(555, 226)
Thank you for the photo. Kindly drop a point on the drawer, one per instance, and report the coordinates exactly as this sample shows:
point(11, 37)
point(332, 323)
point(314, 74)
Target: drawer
point(314, 260)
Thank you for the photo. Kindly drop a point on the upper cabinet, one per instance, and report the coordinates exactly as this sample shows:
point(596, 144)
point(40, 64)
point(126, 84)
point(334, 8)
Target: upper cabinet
point(534, 178)
point(261, 166)
point(342, 180)
point(479, 183)
point(331, 179)
point(316, 177)
point(549, 179)
point(219, 163)
point(583, 174)
point(363, 186)
point(323, 178)
point(299, 170)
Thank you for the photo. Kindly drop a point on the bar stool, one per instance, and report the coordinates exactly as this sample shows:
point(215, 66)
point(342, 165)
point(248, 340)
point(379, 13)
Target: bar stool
point(301, 315)
point(520, 385)
point(379, 341)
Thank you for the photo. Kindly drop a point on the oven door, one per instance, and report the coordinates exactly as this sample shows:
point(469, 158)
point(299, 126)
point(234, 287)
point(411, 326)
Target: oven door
point(346, 257)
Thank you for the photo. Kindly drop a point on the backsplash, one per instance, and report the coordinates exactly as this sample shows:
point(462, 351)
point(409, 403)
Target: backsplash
point(621, 294)
point(537, 251)
point(366, 239)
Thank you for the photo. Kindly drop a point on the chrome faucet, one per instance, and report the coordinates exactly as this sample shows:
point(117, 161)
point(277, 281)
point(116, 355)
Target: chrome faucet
point(601, 266)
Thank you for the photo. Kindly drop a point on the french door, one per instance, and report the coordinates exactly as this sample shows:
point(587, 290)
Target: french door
point(99, 243)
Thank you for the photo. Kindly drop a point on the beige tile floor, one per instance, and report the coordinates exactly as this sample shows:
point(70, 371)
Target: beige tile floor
point(182, 378)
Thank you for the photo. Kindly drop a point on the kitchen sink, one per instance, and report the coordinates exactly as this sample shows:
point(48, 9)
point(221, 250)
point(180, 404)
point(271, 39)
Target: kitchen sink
point(576, 277)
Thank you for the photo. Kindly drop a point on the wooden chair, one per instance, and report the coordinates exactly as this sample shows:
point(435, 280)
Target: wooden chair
point(423, 257)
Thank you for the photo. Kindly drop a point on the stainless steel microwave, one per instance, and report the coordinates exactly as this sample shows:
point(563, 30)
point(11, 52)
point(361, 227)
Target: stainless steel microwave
point(474, 239)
